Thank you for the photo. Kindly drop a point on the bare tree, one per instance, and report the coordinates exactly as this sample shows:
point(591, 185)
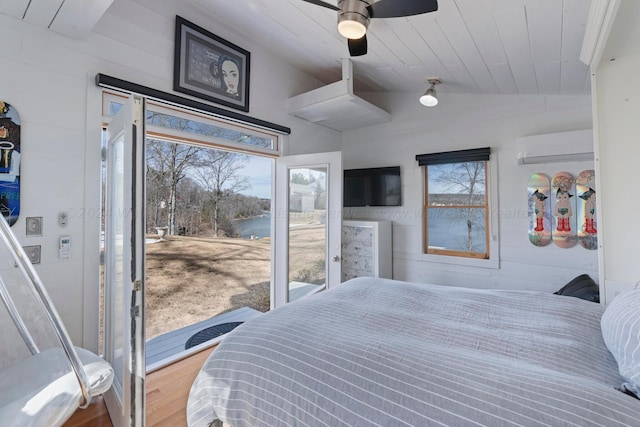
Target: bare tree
point(219, 174)
point(156, 194)
point(170, 162)
point(189, 205)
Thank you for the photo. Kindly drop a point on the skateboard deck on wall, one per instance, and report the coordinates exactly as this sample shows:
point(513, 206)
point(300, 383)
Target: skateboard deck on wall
point(539, 187)
point(563, 210)
point(9, 163)
point(586, 208)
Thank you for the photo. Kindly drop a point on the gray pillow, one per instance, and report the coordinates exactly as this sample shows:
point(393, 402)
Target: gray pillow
point(620, 325)
point(583, 287)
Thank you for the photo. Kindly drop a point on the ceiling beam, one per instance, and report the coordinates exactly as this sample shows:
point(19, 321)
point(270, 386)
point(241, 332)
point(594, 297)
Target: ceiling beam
point(601, 18)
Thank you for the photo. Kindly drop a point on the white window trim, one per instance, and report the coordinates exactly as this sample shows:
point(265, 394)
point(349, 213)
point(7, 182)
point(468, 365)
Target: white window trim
point(197, 139)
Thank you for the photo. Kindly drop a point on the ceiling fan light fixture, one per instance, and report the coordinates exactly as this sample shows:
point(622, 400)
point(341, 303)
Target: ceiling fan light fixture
point(353, 18)
point(351, 29)
point(429, 99)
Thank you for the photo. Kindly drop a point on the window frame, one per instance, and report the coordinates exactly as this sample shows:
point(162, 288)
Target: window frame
point(426, 207)
point(492, 224)
point(174, 135)
point(199, 140)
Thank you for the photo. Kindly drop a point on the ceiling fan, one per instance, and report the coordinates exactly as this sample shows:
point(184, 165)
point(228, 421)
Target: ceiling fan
point(354, 16)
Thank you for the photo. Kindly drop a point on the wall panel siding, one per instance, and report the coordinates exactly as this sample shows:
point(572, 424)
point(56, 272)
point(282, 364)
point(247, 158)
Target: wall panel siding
point(472, 121)
point(49, 79)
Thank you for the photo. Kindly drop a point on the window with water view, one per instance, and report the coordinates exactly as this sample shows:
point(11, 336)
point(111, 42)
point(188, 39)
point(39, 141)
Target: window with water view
point(208, 221)
point(456, 209)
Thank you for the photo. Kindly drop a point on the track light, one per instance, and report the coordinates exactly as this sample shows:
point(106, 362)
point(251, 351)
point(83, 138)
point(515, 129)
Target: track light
point(353, 18)
point(429, 98)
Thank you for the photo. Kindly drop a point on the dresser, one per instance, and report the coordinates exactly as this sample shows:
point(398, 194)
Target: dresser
point(366, 249)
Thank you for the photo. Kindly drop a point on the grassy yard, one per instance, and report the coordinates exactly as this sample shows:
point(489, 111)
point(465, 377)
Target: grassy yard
point(189, 279)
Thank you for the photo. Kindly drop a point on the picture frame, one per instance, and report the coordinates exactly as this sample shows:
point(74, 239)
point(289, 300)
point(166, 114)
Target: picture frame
point(209, 67)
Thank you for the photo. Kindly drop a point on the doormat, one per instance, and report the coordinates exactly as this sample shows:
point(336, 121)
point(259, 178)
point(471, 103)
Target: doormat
point(210, 333)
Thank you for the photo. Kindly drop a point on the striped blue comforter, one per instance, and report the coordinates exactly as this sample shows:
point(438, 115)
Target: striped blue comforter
point(377, 352)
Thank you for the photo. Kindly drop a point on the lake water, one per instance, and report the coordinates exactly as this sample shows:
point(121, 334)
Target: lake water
point(259, 227)
point(448, 229)
point(445, 232)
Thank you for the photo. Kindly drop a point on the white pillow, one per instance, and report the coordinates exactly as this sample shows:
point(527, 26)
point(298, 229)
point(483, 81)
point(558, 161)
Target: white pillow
point(620, 325)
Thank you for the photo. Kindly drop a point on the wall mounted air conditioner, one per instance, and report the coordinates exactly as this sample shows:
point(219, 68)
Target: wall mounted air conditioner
point(556, 147)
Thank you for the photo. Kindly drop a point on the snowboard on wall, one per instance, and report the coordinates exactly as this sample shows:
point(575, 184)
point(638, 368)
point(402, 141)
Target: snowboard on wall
point(539, 187)
point(586, 207)
point(563, 210)
point(9, 162)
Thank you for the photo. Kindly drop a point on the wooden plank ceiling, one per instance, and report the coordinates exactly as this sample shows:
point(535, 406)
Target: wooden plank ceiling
point(73, 18)
point(473, 46)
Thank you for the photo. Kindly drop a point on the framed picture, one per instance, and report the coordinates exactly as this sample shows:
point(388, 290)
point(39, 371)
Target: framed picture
point(209, 67)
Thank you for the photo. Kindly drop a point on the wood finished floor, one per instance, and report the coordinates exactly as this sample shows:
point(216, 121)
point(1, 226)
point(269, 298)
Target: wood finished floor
point(167, 393)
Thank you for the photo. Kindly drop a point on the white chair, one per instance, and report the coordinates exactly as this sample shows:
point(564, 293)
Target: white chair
point(44, 379)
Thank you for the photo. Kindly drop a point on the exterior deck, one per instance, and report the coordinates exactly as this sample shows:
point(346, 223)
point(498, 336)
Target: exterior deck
point(167, 348)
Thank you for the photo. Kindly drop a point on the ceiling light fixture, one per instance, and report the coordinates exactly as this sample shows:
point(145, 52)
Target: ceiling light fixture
point(353, 18)
point(429, 98)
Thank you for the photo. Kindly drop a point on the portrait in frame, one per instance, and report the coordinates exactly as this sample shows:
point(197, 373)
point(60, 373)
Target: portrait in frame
point(209, 67)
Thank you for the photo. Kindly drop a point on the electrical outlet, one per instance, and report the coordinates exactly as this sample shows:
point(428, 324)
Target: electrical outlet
point(34, 226)
point(33, 252)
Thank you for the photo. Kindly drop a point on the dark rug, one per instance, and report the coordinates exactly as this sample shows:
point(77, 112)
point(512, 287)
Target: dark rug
point(210, 333)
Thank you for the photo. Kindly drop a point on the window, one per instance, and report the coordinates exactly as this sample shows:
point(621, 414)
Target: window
point(178, 124)
point(456, 208)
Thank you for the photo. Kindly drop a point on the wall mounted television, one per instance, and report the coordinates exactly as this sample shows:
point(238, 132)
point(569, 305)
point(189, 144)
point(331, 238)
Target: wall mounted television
point(372, 187)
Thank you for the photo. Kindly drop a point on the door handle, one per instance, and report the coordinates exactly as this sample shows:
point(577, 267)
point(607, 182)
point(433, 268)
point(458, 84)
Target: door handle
point(335, 258)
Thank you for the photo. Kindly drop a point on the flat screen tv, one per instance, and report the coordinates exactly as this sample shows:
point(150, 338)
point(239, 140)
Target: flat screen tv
point(372, 187)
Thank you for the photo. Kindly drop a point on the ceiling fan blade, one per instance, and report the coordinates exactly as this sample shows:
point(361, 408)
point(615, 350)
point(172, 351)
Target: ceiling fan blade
point(323, 4)
point(397, 8)
point(358, 47)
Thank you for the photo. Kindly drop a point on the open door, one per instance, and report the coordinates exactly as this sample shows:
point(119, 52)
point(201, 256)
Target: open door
point(123, 264)
point(308, 221)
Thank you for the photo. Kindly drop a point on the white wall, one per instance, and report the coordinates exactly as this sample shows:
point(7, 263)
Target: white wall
point(472, 121)
point(49, 79)
point(618, 128)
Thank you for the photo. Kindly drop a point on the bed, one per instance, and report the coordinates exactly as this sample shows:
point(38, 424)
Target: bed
point(378, 352)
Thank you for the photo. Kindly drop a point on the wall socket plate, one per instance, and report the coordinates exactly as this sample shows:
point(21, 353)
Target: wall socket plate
point(33, 252)
point(63, 219)
point(34, 226)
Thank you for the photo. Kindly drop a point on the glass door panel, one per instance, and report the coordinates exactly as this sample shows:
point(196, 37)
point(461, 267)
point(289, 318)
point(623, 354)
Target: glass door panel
point(123, 259)
point(307, 231)
point(308, 221)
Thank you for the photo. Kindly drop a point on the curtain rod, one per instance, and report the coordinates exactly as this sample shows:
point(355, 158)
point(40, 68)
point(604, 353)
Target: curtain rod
point(105, 81)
